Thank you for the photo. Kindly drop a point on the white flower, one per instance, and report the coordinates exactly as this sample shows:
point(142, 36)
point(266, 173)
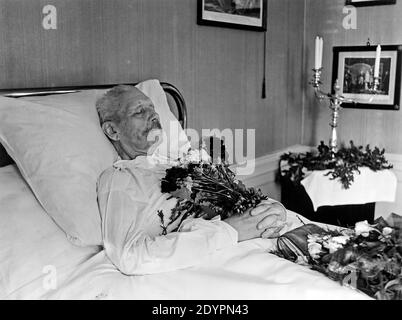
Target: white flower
point(340, 162)
point(335, 267)
point(332, 245)
point(387, 231)
point(188, 183)
point(314, 249)
point(284, 166)
point(195, 155)
point(341, 239)
point(363, 228)
point(313, 238)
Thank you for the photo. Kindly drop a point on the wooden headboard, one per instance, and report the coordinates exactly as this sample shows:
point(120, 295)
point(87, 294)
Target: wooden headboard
point(175, 100)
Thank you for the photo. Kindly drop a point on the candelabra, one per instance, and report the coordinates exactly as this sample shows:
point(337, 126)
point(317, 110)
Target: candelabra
point(336, 100)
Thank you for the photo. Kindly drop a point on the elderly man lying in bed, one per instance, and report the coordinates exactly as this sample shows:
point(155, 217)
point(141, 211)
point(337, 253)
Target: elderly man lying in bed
point(129, 197)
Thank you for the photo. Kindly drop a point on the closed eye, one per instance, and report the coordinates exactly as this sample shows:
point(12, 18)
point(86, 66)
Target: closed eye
point(138, 112)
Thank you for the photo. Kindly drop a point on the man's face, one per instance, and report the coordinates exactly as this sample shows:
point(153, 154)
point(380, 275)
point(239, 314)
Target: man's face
point(137, 119)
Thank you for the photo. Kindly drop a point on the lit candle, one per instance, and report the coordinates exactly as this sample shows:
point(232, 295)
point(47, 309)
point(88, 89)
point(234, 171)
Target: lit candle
point(377, 62)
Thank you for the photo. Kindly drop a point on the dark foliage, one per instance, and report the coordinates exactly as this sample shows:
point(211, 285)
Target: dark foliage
point(342, 165)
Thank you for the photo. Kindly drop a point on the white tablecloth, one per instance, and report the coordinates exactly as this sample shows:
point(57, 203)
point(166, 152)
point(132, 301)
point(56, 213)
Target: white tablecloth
point(368, 186)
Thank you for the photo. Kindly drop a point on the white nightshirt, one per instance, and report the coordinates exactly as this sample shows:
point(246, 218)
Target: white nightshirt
point(129, 197)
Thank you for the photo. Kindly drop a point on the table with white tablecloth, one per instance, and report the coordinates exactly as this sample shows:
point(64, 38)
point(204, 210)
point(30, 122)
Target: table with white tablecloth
point(321, 198)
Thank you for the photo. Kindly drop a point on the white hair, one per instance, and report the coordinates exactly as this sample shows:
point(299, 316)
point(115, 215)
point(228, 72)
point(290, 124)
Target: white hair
point(110, 104)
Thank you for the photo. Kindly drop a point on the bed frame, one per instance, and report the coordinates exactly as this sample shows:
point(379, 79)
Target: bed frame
point(175, 100)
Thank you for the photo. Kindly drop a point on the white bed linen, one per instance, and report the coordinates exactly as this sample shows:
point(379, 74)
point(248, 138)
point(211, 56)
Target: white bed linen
point(30, 240)
point(245, 271)
point(31, 244)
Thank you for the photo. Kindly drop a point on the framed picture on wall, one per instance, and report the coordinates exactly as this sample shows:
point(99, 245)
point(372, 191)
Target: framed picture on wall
point(366, 3)
point(240, 14)
point(354, 68)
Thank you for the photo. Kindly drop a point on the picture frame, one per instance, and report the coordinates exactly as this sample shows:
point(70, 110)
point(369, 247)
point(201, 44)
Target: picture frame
point(239, 14)
point(366, 3)
point(353, 68)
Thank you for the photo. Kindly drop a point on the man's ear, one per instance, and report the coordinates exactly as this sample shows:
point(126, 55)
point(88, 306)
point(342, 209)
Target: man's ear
point(111, 130)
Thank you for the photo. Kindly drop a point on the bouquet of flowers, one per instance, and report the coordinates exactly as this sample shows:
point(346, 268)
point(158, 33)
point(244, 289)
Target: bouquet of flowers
point(205, 189)
point(369, 257)
point(342, 164)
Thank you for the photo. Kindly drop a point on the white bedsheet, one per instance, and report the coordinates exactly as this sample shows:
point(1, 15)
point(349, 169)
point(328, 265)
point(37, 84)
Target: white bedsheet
point(245, 271)
point(31, 244)
point(29, 241)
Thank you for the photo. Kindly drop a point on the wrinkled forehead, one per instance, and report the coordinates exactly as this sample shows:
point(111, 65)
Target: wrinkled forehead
point(135, 97)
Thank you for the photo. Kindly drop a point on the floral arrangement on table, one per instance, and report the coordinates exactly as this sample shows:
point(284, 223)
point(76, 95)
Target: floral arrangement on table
point(368, 256)
point(205, 188)
point(342, 164)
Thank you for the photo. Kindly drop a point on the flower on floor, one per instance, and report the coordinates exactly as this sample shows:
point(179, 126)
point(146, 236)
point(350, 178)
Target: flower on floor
point(370, 254)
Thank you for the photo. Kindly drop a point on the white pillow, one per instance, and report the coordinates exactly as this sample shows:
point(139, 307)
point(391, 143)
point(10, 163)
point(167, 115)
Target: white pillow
point(60, 155)
point(31, 245)
point(82, 103)
point(60, 149)
point(175, 141)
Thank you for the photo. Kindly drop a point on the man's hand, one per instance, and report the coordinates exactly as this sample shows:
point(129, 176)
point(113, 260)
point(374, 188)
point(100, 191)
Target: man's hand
point(273, 218)
point(266, 220)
